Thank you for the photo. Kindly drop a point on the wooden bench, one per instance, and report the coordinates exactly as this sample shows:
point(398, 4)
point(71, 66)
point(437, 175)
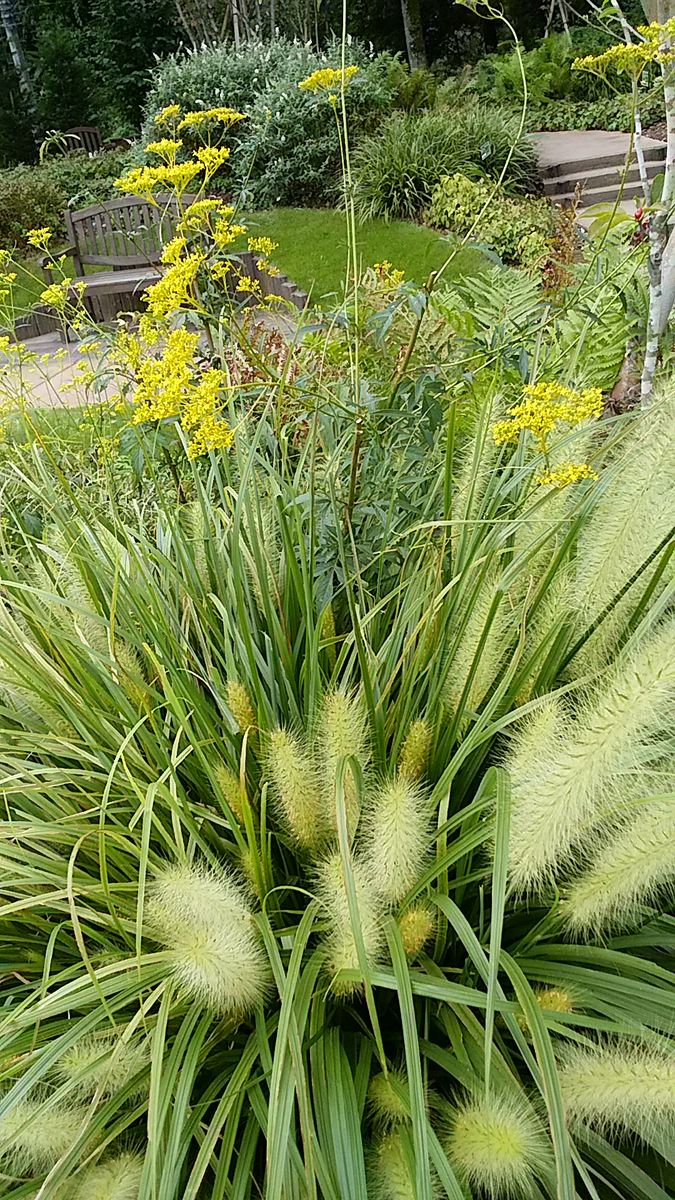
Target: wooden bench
point(84, 137)
point(123, 239)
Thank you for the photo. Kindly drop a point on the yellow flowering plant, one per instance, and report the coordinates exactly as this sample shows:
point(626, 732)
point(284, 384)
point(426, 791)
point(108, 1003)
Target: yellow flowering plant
point(545, 409)
point(174, 366)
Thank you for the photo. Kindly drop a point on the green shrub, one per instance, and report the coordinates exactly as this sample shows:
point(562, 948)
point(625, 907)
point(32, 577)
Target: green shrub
point(548, 71)
point(34, 196)
point(518, 229)
point(610, 112)
point(413, 90)
point(290, 149)
point(397, 169)
point(289, 144)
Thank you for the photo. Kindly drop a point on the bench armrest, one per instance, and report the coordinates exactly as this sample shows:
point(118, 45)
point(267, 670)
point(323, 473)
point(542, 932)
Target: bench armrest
point(45, 259)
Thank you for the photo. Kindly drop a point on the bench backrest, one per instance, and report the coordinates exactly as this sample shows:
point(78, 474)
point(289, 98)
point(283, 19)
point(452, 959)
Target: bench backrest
point(84, 137)
point(122, 233)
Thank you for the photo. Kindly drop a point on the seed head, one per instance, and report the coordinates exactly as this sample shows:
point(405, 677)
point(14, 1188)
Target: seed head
point(417, 925)
point(340, 944)
point(415, 752)
point(204, 921)
point(396, 838)
point(342, 733)
point(230, 786)
point(239, 704)
point(391, 1167)
point(295, 785)
point(105, 1064)
point(117, 1178)
point(389, 1098)
point(565, 772)
point(627, 869)
point(620, 1087)
point(498, 1146)
point(34, 1135)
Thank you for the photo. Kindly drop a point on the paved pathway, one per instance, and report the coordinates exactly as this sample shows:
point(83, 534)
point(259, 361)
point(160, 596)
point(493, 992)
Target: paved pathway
point(52, 381)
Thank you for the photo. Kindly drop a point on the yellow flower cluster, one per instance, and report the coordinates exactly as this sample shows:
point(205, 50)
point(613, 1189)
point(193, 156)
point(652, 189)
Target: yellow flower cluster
point(7, 279)
point(566, 473)
point(168, 115)
point(212, 158)
point(262, 245)
point(200, 419)
point(628, 59)
point(660, 39)
point(225, 233)
point(145, 181)
point(197, 216)
point(166, 148)
point(39, 237)
point(225, 116)
point(58, 294)
point(175, 290)
point(631, 59)
point(545, 406)
point(388, 274)
point(169, 386)
point(327, 79)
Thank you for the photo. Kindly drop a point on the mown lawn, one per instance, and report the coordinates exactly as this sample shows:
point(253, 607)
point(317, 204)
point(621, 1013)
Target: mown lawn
point(313, 248)
point(313, 252)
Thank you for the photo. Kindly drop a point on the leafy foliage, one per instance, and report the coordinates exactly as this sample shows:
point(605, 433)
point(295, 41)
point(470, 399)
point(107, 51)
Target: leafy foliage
point(611, 112)
point(518, 229)
point(397, 169)
point(289, 145)
point(35, 196)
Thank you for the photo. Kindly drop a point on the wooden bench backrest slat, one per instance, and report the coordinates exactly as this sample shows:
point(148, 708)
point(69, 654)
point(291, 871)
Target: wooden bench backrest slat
point(128, 232)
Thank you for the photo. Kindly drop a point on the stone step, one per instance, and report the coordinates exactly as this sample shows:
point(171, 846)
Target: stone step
point(652, 153)
point(601, 176)
point(600, 195)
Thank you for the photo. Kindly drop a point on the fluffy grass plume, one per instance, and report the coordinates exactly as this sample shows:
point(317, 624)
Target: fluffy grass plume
point(391, 1168)
point(340, 944)
point(295, 784)
point(104, 1064)
point(240, 705)
point(416, 925)
point(342, 731)
point(620, 1087)
point(414, 755)
point(633, 515)
point(563, 770)
point(628, 870)
point(35, 1135)
point(498, 1146)
point(396, 838)
point(230, 785)
point(500, 626)
point(116, 1178)
point(204, 921)
point(389, 1098)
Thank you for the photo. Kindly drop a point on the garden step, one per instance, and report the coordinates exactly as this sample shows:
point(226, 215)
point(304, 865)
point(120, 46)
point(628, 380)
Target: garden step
point(600, 195)
point(598, 176)
point(577, 150)
point(653, 152)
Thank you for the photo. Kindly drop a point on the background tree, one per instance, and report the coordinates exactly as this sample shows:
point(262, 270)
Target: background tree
point(411, 11)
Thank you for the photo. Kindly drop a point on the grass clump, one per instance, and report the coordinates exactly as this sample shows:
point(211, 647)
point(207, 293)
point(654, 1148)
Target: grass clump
point(303, 772)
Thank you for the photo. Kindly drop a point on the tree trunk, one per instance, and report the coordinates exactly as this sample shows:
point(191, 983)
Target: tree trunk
point(411, 11)
point(10, 25)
